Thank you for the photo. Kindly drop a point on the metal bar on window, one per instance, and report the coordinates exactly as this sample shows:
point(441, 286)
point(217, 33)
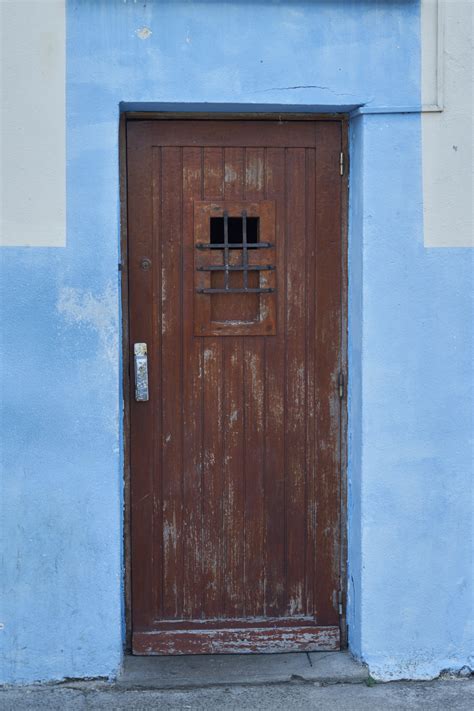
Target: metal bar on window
point(237, 268)
point(236, 291)
point(226, 249)
point(245, 255)
point(235, 245)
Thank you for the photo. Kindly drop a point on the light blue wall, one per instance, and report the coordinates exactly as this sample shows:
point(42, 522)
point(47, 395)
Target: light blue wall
point(409, 334)
point(411, 415)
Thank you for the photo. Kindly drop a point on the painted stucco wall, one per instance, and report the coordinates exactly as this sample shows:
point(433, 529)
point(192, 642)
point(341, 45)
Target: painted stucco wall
point(410, 527)
point(411, 363)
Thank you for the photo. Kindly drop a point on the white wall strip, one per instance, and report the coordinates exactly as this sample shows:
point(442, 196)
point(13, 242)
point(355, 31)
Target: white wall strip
point(447, 137)
point(33, 123)
point(432, 49)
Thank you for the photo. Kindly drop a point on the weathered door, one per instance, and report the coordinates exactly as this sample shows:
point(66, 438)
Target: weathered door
point(235, 281)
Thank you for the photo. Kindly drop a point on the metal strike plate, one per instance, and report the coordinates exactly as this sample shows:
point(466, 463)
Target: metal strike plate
point(141, 372)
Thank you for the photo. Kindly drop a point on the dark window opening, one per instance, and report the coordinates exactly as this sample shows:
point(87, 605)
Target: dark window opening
point(235, 231)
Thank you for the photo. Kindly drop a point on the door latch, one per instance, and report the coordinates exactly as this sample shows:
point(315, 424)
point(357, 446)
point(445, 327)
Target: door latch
point(141, 372)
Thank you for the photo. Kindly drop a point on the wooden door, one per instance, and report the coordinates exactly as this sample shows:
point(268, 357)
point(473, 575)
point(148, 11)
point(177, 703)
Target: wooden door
point(235, 283)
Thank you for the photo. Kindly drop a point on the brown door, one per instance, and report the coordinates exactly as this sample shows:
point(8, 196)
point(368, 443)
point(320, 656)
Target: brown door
point(235, 281)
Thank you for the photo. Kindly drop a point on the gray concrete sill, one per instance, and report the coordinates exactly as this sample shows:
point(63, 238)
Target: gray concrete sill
point(185, 672)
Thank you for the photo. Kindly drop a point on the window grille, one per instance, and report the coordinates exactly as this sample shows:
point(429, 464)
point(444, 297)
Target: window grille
point(226, 245)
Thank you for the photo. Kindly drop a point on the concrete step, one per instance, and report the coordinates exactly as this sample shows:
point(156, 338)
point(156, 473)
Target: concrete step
point(200, 671)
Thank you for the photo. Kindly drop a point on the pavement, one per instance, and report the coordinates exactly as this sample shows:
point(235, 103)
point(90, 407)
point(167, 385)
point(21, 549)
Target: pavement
point(320, 681)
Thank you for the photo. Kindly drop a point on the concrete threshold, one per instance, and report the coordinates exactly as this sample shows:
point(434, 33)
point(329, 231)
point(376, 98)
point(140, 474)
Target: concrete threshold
point(201, 671)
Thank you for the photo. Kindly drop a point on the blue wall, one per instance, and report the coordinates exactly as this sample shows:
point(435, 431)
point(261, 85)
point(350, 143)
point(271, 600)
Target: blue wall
point(411, 418)
point(410, 336)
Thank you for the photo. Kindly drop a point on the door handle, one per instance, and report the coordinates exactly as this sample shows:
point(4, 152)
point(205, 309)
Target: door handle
point(141, 372)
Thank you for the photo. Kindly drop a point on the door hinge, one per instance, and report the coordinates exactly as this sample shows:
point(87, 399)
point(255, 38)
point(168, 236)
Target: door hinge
point(341, 163)
point(339, 600)
point(341, 384)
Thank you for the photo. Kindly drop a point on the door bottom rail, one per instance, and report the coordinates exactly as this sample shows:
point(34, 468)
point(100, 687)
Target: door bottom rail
point(237, 640)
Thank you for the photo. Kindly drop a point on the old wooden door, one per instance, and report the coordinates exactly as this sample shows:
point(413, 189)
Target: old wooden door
point(235, 282)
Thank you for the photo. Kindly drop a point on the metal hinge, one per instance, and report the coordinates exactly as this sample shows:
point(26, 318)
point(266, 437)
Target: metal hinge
point(341, 384)
point(339, 600)
point(341, 163)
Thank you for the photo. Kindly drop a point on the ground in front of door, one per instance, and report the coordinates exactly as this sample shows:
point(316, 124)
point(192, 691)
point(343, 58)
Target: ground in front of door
point(265, 682)
point(442, 695)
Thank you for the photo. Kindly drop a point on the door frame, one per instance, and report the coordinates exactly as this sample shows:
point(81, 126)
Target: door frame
point(125, 117)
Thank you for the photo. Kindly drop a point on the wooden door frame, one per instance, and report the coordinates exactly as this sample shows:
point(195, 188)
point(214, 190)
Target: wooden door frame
point(343, 119)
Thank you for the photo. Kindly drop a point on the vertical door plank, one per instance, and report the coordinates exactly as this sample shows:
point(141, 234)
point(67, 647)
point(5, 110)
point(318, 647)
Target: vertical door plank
point(254, 429)
point(234, 502)
point(241, 307)
point(310, 329)
point(143, 184)
point(155, 378)
point(212, 413)
point(172, 380)
point(328, 344)
point(213, 173)
point(295, 378)
point(192, 384)
point(274, 405)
